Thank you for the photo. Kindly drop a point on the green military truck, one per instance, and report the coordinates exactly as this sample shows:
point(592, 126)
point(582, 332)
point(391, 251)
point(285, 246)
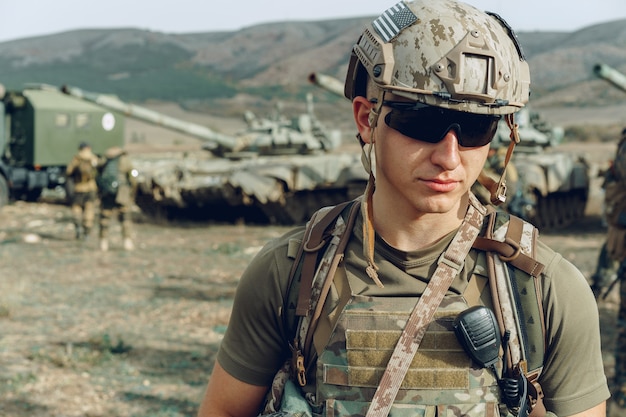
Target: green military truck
point(40, 130)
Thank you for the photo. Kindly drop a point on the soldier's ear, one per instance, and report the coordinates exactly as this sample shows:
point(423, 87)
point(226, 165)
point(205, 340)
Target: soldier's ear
point(363, 115)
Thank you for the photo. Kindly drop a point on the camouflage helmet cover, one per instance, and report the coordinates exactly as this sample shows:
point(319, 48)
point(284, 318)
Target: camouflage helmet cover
point(443, 53)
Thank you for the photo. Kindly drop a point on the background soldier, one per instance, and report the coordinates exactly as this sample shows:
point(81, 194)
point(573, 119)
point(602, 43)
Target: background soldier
point(81, 173)
point(606, 267)
point(615, 209)
point(116, 185)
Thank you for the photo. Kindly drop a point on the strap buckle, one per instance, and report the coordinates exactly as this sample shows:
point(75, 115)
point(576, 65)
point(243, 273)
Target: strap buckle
point(451, 263)
point(299, 369)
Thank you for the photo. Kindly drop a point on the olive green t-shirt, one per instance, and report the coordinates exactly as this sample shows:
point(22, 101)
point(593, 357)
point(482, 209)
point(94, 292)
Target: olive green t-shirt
point(573, 378)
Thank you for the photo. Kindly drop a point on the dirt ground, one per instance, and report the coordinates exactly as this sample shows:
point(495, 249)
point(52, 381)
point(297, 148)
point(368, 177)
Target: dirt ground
point(86, 333)
point(129, 334)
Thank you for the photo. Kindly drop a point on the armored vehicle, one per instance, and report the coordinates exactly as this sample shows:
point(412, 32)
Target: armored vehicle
point(40, 130)
point(549, 188)
point(277, 170)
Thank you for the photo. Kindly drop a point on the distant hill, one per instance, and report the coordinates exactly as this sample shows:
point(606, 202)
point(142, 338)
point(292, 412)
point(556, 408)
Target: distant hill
point(274, 60)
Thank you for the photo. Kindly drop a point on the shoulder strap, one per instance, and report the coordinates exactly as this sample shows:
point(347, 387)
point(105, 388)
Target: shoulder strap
point(516, 293)
point(299, 328)
point(449, 265)
point(326, 234)
point(510, 242)
point(315, 238)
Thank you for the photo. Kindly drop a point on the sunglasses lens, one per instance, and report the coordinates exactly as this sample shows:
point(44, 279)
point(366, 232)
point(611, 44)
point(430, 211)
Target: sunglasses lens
point(430, 124)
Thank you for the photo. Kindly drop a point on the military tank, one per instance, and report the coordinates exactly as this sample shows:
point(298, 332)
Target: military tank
point(277, 170)
point(551, 187)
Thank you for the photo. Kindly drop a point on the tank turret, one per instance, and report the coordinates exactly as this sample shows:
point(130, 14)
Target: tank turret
point(268, 136)
point(277, 170)
point(610, 74)
point(141, 113)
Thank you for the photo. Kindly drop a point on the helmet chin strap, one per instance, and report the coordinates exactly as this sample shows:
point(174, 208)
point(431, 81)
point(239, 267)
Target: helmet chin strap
point(369, 234)
point(497, 189)
point(372, 119)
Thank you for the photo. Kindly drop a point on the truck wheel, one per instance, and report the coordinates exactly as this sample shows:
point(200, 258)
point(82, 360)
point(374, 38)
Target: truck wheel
point(4, 192)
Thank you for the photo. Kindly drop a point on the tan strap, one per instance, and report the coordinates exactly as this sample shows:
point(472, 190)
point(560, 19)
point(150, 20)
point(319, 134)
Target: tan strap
point(509, 251)
point(315, 274)
point(318, 303)
point(449, 265)
point(314, 240)
point(518, 250)
point(535, 393)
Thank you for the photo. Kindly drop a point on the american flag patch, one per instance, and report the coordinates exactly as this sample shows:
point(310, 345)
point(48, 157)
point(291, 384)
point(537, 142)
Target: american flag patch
point(393, 20)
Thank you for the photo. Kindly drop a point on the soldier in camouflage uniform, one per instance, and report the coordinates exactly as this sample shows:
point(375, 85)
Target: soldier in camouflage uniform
point(81, 174)
point(615, 247)
point(429, 80)
point(606, 266)
point(116, 195)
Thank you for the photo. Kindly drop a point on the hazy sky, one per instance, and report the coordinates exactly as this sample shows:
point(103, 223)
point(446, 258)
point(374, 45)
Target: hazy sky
point(25, 18)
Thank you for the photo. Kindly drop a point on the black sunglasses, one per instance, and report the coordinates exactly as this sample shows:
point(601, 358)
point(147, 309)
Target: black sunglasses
point(431, 124)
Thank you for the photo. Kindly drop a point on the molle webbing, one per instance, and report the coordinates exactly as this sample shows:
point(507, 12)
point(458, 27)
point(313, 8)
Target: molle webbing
point(440, 379)
point(373, 334)
point(515, 249)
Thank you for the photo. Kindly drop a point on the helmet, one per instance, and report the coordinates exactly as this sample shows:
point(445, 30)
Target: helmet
point(442, 53)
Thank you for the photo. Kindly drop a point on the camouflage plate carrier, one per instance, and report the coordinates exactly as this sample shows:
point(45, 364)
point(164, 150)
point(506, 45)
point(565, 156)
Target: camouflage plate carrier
point(442, 377)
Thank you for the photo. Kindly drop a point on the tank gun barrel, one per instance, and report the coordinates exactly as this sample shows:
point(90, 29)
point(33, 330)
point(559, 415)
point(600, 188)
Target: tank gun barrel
point(611, 75)
point(150, 116)
point(327, 83)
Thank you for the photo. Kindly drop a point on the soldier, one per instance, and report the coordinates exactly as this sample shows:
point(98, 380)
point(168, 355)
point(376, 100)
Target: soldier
point(615, 250)
point(428, 81)
point(606, 267)
point(81, 173)
point(116, 185)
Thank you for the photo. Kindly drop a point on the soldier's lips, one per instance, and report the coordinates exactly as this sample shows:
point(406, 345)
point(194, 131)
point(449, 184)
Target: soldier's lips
point(441, 186)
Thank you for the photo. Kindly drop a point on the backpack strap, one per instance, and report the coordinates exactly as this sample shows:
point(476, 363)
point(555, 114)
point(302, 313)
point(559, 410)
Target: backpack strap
point(315, 238)
point(324, 277)
point(325, 235)
point(318, 235)
point(510, 244)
